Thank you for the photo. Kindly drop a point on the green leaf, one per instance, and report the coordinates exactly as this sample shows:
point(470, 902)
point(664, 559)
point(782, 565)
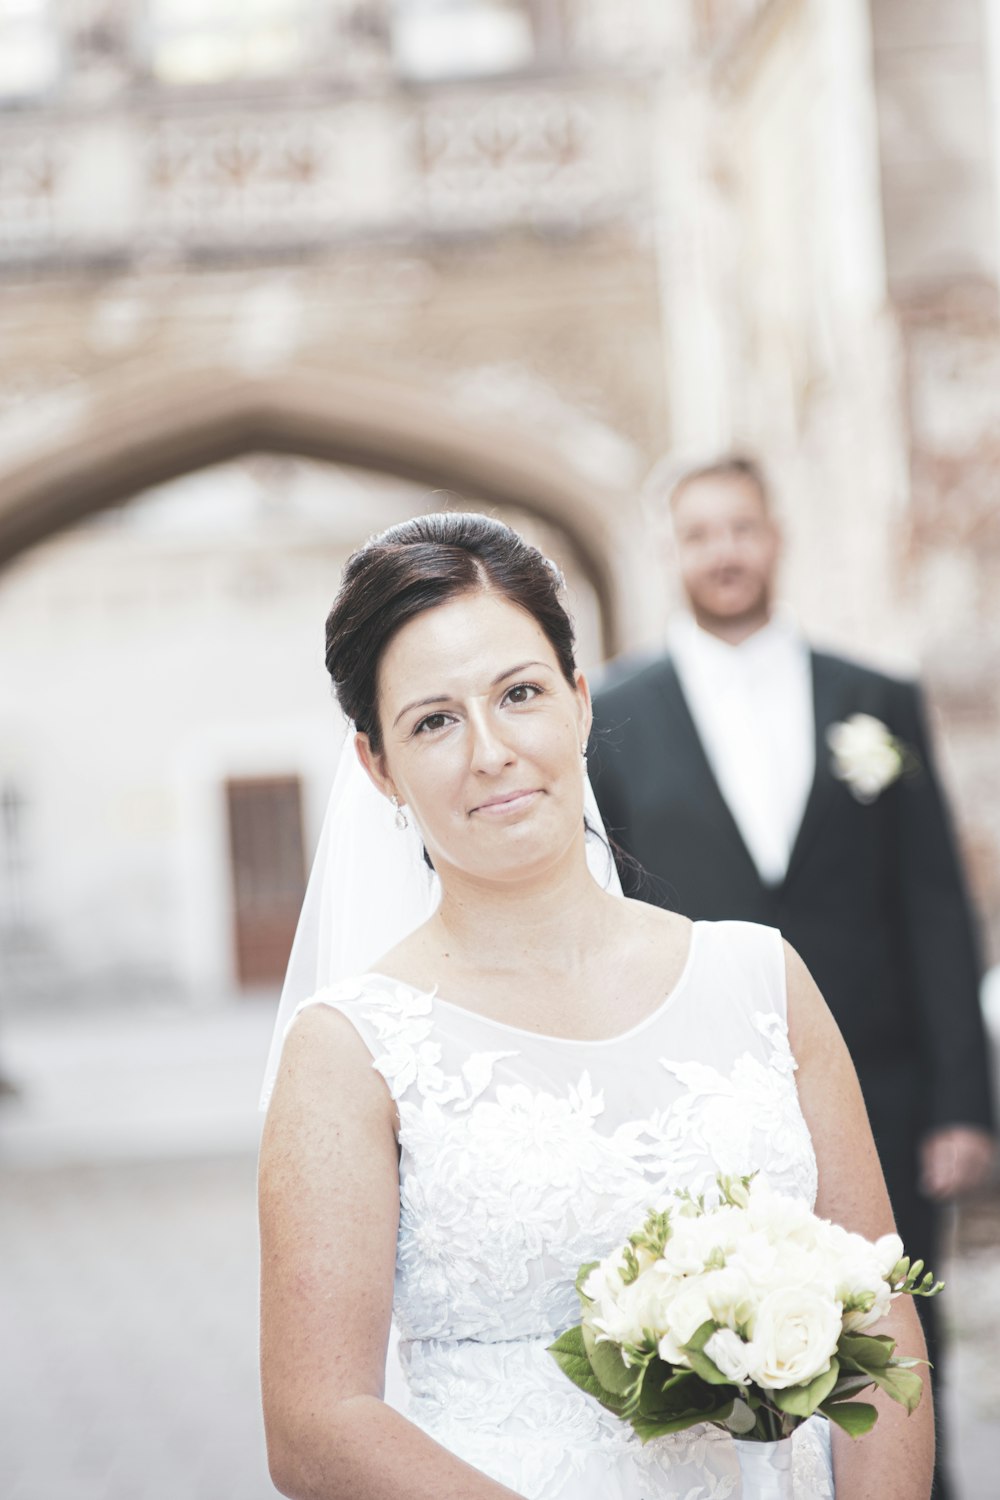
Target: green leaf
point(847, 1385)
point(609, 1367)
point(869, 1351)
point(855, 1417)
point(682, 1392)
point(901, 1385)
point(570, 1342)
point(700, 1362)
point(570, 1354)
point(666, 1391)
point(802, 1401)
point(648, 1428)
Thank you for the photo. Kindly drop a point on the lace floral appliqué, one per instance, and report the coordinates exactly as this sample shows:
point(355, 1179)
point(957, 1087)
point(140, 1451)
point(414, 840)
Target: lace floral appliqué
point(518, 1163)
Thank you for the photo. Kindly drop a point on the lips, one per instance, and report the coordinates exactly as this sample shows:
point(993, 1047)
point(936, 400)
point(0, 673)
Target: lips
point(507, 802)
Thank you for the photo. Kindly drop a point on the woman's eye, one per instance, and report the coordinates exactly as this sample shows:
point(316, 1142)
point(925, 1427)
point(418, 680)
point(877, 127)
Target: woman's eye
point(522, 692)
point(431, 723)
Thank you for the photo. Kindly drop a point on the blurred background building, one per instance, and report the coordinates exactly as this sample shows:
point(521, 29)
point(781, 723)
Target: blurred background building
point(272, 272)
point(276, 273)
point(511, 250)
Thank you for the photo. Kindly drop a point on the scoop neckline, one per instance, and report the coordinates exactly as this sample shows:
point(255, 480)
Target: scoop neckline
point(545, 1036)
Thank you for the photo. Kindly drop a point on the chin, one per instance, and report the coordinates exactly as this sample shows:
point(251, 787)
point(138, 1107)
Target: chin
point(730, 608)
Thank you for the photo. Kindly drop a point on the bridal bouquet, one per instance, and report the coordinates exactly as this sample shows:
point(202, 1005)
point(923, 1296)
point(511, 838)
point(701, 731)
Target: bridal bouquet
point(752, 1314)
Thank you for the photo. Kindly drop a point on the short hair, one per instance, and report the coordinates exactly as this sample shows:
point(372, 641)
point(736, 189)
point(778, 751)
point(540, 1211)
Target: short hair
point(724, 466)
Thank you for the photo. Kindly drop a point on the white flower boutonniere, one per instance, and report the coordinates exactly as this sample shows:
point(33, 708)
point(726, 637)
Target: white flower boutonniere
point(867, 755)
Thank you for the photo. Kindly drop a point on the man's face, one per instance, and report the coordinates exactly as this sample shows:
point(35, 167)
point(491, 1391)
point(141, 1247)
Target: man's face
point(727, 548)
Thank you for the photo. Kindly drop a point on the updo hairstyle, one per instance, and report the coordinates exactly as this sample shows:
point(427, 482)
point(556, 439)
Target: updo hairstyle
point(417, 565)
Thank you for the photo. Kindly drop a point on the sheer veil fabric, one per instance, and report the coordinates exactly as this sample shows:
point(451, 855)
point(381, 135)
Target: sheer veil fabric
point(370, 887)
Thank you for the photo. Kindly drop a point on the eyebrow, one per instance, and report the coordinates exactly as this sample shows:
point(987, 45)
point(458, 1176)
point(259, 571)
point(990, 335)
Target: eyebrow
point(444, 698)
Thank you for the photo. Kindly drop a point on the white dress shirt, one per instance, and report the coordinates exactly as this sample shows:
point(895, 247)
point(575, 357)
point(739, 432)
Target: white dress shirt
point(753, 710)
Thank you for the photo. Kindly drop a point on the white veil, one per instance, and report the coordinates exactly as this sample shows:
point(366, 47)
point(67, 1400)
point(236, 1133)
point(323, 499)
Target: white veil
point(370, 887)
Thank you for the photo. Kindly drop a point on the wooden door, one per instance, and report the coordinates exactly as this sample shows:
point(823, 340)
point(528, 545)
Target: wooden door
point(267, 858)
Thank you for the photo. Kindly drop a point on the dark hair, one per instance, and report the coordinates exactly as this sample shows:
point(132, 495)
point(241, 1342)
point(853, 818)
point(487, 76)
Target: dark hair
point(727, 466)
point(417, 565)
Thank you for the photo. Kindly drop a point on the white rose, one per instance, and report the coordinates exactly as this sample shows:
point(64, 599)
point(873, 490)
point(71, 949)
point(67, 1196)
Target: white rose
point(865, 755)
point(730, 1355)
point(794, 1337)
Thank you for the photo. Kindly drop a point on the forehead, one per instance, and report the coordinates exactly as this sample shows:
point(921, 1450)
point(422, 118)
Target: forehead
point(460, 643)
point(712, 496)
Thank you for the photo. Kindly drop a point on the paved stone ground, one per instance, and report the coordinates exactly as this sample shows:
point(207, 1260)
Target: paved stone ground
point(128, 1300)
point(128, 1269)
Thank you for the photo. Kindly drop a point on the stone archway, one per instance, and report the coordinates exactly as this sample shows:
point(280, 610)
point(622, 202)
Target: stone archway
point(126, 438)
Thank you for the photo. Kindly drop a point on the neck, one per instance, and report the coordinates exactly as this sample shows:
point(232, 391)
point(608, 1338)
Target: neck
point(735, 628)
point(545, 923)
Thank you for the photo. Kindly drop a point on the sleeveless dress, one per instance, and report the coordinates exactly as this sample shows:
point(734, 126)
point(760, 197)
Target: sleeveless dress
point(524, 1155)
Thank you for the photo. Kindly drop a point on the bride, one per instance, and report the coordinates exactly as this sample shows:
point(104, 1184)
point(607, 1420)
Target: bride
point(497, 1100)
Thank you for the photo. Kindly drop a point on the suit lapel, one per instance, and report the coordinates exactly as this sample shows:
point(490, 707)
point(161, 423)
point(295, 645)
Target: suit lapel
point(828, 706)
point(682, 730)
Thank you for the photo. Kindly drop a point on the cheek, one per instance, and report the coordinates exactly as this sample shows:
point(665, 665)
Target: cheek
point(556, 742)
point(437, 782)
point(761, 557)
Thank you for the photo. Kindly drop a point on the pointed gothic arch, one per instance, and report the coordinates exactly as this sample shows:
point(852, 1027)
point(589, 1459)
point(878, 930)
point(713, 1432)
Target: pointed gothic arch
point(128, 437)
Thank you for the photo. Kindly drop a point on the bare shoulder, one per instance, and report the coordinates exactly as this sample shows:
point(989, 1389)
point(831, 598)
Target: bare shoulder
point(812, 1030)
point(326, 1071)
point(663, 934)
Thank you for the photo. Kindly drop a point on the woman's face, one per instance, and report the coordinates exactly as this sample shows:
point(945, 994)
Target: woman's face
point(481, 738)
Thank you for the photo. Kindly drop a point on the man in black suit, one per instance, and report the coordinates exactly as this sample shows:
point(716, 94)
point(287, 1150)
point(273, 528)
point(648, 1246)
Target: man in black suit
point(734, 771)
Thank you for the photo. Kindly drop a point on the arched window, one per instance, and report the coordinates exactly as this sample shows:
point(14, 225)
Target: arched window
point(436, 39)
point(214, 41)
point(29, 50)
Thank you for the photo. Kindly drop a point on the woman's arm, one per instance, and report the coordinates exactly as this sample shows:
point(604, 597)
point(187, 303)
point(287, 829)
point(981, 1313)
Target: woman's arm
point(895, 1460)
point(329, 1203)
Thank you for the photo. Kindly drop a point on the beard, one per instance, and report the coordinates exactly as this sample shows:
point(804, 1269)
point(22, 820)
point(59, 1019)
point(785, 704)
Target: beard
point(747, 606)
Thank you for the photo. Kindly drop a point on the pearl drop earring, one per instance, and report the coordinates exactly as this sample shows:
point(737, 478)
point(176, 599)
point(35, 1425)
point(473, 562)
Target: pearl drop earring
point(402, 821)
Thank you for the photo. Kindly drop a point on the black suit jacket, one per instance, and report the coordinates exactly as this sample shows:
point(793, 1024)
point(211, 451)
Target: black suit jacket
point(873, 899)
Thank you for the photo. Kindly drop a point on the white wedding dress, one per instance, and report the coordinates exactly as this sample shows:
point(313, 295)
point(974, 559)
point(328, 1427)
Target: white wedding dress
point(523, 1155)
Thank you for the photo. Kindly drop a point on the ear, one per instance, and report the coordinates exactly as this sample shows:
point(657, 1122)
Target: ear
point(585, 707)
point(375, 766)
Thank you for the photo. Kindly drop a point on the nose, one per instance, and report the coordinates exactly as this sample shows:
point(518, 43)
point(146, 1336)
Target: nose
point(725, 549)
point(489, 752)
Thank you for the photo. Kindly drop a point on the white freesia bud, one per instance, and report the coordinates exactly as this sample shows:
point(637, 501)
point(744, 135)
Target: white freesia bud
point(759, 1260)
point(605, 1284)
point(729, 1295)
point(857, 1320)
point(854, 1270)
point(781, 1217)
point(730, 1355)
point(643, 1303)
point(889, 1250)
point(683, 1316)
point(684, 1252)
point(794, 1337)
